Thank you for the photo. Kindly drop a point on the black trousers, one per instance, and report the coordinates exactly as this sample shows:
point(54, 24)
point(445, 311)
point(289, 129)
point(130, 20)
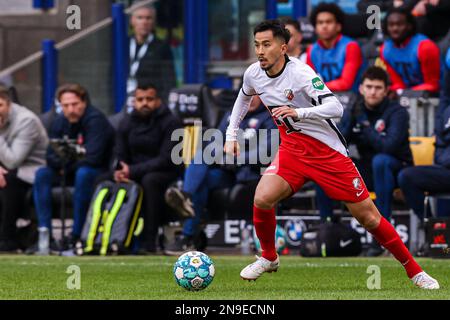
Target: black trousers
point(154, 210)
point(12, 205)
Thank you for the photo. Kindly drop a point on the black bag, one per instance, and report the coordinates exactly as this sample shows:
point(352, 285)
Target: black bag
point(330, 239)
point(438, 237)
point(113, 221)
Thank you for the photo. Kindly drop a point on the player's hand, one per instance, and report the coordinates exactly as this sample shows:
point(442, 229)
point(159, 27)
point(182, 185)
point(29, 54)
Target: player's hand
point(232, 148)
point(284, 112)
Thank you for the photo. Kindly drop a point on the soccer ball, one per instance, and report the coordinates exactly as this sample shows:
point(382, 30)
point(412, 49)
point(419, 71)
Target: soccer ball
point(280, 240)
point(194, 271)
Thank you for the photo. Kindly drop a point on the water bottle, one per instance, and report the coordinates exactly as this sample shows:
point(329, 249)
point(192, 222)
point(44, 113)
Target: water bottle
point(245, 241)
point(44, 239)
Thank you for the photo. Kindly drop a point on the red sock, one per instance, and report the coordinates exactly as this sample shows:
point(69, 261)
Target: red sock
point(389, 238)
point(265, 225)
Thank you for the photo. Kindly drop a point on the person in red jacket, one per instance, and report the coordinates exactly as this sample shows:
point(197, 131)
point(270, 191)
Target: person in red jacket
point(335, 57)
point(412, 60)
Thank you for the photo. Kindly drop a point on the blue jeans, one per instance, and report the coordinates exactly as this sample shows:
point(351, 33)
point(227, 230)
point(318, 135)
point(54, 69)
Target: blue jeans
point(199, 181)
point(384, 172)
point(46, 178)
point(415, 181)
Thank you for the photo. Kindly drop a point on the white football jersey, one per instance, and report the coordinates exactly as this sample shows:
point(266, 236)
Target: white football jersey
point(297, 86)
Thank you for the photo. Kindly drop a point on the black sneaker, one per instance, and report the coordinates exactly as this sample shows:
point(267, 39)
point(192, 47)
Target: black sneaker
point(181, 244)
point(180, 202)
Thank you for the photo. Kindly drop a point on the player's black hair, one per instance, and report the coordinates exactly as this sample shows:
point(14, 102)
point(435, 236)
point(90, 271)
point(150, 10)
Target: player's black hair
point(409, 19)
point(332, 8)
point(146, 85)
point(278, 29)
point(376, 73)
point(292, 22)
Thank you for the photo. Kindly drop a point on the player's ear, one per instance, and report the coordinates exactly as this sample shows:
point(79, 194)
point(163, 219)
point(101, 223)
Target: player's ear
point(284, 48)
point(361, 89)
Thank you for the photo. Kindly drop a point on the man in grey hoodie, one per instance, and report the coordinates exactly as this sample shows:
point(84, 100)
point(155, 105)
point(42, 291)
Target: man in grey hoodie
point(23, 144)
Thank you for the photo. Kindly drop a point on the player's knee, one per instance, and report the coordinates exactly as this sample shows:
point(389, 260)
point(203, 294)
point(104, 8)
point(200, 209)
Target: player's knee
point(263, 201)
point(371, 221)
point(371, 218)
point(367, 214)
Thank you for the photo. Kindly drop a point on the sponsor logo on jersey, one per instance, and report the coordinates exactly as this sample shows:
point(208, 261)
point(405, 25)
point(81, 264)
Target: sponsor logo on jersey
point(289, 94)
point(318, 84)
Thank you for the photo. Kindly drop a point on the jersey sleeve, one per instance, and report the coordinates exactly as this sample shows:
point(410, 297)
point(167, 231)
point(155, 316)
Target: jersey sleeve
point(247, 87)
point(240, 107)
point(429, 58)
point(325, 104)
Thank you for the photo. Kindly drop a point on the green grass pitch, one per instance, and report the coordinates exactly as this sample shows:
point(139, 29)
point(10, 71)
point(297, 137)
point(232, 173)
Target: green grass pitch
point(150, 277)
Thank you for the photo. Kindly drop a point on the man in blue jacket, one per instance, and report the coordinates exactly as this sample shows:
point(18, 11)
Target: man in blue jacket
point(201, 178)
point(90, 128)
point(415, 181)
point(380, 130)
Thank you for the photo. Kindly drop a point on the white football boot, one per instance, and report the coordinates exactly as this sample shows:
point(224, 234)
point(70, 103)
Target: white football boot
point(424, 281)
point(254, 270)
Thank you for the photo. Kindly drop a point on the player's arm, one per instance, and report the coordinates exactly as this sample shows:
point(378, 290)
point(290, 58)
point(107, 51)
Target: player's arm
point(429, 58)
point(240, 109)
point(327, 106)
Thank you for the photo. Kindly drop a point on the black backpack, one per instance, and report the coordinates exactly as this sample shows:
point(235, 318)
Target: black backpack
point(113, 221)
point(330, 239)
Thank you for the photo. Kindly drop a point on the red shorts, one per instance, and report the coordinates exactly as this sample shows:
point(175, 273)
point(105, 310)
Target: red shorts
point(309, 159)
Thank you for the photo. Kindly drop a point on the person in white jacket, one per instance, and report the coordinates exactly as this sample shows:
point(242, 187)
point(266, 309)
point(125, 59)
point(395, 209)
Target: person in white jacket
point(23, 144)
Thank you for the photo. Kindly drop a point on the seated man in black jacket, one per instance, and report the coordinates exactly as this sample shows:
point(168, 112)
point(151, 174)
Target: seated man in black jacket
point(143, 151)
point(90, 128)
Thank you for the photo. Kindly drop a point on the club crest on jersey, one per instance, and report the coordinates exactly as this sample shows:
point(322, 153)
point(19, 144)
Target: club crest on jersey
point(380, 125)
point(357, 184)
point(289, 94)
